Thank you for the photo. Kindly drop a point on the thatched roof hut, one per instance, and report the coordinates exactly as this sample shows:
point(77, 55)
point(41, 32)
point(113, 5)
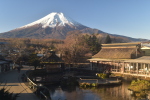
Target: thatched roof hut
point(52, 62)
point(119, 51)
point(51, 58)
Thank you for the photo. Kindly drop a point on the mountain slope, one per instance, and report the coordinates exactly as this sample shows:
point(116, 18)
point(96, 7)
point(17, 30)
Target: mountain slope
point(55, 26)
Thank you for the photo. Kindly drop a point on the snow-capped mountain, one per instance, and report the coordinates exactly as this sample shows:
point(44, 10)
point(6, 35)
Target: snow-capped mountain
point(54, 19)
point(54, 25)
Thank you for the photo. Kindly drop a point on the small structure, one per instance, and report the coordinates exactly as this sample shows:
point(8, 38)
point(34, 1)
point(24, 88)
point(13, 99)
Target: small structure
point(52, 63)
point(5, 65)
point(53, 67)
point(124, 58)
point(145, 47)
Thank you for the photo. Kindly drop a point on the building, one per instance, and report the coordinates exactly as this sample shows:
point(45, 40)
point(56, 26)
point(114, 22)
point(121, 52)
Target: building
point(5, 65)
point(52, 63)
point(145, 47)
point(124, 58)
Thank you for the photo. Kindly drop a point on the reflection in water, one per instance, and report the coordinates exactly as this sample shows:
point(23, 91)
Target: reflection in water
point(77, 94)
point(102, 93)
point(115, 92)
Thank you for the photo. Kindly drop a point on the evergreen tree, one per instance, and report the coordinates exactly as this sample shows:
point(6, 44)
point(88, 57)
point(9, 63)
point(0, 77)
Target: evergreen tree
point(108, 39)
point(34, 60)
point(92, 42)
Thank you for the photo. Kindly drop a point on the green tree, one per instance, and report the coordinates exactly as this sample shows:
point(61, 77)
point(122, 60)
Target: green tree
point(108, 39)
point(34, 60)
point(92, 42)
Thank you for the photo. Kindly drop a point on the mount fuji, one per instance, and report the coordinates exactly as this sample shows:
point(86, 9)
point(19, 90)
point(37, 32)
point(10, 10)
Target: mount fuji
point(54, 26)
point(53, 20)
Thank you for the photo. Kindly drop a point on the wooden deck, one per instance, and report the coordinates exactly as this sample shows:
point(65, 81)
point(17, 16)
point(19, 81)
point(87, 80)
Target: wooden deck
point(133, 74)
point(100, 81)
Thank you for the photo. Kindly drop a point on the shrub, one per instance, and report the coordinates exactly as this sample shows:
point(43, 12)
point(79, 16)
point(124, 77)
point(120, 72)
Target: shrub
point(139, 85)
point(102, 75)
point(87, 85)
point(140, 88)
point(6, 95)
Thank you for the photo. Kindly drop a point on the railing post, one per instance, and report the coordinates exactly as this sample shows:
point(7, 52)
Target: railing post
point(33, 86)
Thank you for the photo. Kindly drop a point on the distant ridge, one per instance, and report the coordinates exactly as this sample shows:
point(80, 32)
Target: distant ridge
point(56, 26)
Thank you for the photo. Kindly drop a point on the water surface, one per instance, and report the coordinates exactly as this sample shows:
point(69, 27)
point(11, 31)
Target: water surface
point(120, 92)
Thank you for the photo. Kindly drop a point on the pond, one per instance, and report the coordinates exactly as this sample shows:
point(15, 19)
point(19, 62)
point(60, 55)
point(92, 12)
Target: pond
point(120, 92)
point(117, 92)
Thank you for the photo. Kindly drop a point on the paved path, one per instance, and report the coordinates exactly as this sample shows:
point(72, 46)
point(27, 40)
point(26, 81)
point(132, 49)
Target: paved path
point(13, 81)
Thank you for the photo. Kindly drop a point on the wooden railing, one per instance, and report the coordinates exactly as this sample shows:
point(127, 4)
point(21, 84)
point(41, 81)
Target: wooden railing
point(33, 85)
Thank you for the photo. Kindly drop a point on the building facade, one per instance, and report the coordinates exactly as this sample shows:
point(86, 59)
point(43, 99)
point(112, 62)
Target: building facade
point(124, 58)
point(5, 65)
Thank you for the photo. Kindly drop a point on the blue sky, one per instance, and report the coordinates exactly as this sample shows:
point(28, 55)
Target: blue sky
point(123, 17)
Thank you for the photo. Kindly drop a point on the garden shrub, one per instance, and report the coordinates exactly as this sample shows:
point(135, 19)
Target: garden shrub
point(102, 75)
point(140, 88)
point(6, 95)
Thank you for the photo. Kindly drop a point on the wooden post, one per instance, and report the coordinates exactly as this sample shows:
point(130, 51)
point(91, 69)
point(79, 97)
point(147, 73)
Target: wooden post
point(123, 67)
point(111, 66)
point(144, 70)
point(129, 67)
point(134, 68)
point(137, 68)
point(148, 68)
point(97, 64)
point(91, 65)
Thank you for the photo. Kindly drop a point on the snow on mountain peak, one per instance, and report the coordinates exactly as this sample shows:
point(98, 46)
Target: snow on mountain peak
point(52, 20)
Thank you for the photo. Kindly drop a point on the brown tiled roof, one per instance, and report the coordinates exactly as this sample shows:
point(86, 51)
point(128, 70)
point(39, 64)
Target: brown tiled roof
point(116, 52)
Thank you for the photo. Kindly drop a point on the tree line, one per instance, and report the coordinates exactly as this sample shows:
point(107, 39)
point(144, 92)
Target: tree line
point(76, 48)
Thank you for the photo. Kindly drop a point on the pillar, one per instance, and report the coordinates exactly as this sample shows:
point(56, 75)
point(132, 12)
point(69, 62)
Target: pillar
point(137, 69)
point(148, 68)
point(122, 67)
point(91, 65)
point(129, 67)
point(144, 69)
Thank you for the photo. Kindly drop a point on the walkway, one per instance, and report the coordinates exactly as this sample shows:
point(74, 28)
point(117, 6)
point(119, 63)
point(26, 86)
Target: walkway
point(13, 81)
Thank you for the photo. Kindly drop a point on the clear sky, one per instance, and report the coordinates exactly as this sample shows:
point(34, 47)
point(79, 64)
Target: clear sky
point(123, 17)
